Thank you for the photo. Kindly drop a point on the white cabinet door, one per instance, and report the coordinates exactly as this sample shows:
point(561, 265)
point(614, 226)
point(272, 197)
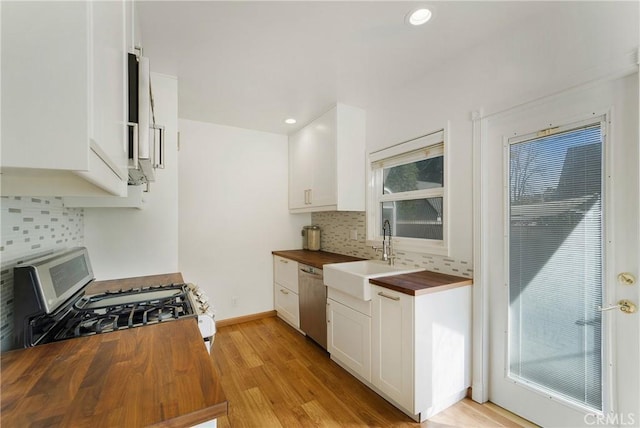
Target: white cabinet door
point(285, 272)
point(349, 338)
point(300, 168)
point(323, 188)
point(44, 85)
point(392, 350)
point(63, 99)
point(312, 164)
point(326, 163)
point(287, 306)
point(108, 71)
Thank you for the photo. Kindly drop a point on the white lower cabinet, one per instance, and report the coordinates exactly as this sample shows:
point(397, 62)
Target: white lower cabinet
point(421, 348)
point(285, 290)
point(392, 344)
point(413, 351)
point(349, 338)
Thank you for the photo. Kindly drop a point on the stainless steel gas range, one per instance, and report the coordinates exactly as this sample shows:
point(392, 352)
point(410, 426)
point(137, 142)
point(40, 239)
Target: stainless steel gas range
point(51, 304)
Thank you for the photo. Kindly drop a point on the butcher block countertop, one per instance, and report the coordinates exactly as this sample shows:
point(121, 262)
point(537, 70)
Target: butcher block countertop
point(414, 284)
point(423, 282)
point(315, 258)
point(159, 375)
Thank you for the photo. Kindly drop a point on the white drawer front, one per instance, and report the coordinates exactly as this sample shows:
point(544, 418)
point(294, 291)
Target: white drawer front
point(286, 273)
point(287, 306)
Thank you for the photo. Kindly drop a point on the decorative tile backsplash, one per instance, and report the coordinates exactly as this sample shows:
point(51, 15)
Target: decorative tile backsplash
point(337, 226)
point(31, 227)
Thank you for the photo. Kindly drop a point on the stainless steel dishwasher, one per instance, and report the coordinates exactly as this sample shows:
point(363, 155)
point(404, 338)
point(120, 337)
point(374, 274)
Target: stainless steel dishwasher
point(312, 295)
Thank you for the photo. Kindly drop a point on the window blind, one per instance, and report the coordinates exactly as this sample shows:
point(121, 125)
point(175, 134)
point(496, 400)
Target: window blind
point(556, 264)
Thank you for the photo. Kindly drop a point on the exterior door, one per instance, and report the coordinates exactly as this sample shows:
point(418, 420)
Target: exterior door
point(562, 234)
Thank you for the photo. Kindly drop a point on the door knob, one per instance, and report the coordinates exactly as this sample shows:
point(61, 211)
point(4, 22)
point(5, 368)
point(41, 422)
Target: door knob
point(624, 305)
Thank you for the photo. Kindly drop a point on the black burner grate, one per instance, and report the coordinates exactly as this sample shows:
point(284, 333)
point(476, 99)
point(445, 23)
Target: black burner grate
point(123, 309)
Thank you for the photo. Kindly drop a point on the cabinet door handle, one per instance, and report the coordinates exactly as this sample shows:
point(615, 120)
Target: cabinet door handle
point(158, 146)
point(307, 197)
point(284, 261)
point(284, 291)
point(381, 294)
point(310, 197)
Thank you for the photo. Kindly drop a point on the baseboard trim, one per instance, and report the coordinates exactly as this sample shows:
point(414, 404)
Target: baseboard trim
point(245, 318)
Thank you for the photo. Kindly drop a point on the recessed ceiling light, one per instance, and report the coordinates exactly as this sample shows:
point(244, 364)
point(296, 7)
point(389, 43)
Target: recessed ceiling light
point(290, 121)
point(419, 16)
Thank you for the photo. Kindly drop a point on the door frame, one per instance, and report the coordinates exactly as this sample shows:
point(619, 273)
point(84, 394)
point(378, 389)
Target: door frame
point(481, 295)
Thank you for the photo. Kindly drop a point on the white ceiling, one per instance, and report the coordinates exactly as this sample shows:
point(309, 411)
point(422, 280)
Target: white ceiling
point(253, 64)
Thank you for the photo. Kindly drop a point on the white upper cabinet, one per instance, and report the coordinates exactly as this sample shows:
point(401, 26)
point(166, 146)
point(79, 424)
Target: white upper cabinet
point(64, 98)
point(327, 163)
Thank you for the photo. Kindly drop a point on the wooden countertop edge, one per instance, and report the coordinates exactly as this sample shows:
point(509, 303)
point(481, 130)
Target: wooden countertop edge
point(421, 291)
point(197, 417)
point(314, 258)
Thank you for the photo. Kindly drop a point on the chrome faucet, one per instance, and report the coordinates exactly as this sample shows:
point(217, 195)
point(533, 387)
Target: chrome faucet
point(387, 248)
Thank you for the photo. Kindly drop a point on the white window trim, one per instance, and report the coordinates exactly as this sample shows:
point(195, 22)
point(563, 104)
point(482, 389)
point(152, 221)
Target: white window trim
point(399, 154)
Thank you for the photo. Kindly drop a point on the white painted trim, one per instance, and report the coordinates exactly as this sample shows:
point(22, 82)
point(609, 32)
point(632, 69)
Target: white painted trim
point(609, 345)
point(402, 148)
point(436, 141)
point(480, 357)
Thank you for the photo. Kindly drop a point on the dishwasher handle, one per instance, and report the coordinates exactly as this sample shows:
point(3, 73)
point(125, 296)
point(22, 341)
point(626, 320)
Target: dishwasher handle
point(311, 271)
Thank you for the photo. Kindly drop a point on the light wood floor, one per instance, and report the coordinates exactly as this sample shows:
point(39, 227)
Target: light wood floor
point(275, 377)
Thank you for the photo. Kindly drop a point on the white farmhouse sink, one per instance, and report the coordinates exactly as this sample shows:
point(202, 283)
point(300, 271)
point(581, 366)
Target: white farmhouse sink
point(353, 277)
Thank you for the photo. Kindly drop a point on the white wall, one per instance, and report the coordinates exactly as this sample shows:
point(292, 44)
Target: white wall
point(233, 213)
point(539, 58)
point(124, 242)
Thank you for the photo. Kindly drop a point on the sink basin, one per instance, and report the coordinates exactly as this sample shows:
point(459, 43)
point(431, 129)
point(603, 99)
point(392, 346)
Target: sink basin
point(353, 277)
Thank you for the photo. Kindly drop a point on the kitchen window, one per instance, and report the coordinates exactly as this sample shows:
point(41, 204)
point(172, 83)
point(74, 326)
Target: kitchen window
point(407, 187)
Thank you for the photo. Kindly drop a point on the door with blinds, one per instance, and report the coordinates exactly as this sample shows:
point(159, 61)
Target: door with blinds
point(555, 263)
point(564, 326)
